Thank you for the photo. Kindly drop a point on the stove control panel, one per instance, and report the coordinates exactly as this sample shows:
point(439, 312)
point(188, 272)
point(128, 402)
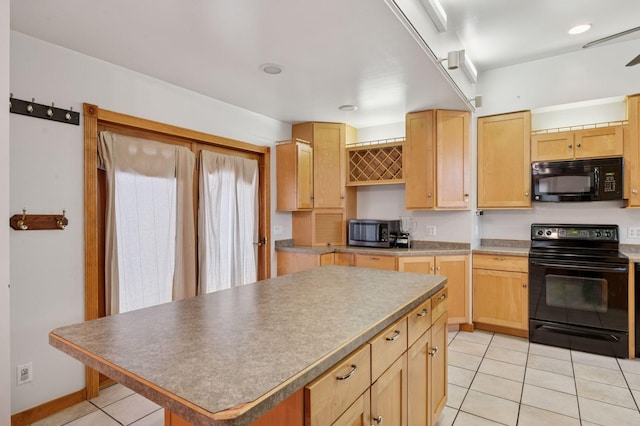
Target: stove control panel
point(607, 233)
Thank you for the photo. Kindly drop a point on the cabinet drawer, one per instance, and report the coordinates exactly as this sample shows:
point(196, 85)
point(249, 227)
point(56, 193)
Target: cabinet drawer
point(418, 321)
point(387, 346)
point(501, 263)
point(327, 397)
point(439, 303)
point(375, 262)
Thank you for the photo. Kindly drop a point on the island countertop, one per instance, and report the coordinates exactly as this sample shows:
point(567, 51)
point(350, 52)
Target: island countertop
point(229, 357)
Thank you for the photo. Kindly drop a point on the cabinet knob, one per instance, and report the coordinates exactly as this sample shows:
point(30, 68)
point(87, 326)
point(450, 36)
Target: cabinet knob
point(438, 268)
point(378, 420)
point(578, 145)
point(570, 146)
point(526, 194)
point(429, 195)
point(422, 313)
point(395, 336)
point(524, 286)
point(634, 191)
point(434, 351)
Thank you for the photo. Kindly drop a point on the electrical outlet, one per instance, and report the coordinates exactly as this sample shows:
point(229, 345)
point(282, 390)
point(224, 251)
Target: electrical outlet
point(634, 232)
point(430, 230)
point(24, 373)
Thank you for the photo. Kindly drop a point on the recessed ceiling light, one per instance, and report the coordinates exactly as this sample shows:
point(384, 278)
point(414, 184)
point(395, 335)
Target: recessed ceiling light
point(271, 68)
point(579, 29)
point(348, 107)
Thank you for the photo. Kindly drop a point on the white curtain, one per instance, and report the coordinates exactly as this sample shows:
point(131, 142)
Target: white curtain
point(227, 221)
point(150, 230)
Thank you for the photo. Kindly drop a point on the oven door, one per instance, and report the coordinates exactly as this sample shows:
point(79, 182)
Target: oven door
point(582, 293)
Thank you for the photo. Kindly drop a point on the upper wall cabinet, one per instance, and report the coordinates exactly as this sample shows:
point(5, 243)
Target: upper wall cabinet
point(578, 144)
point(329, 162)
point(632, 153)
point(504, 175)
point(294, 175)
point(436, 160)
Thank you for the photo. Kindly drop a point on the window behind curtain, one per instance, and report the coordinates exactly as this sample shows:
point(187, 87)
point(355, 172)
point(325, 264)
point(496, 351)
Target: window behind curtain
point(145, 216)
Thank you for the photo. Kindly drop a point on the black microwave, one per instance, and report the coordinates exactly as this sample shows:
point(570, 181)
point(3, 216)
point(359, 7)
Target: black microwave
point(577, 180)
point(373, 233)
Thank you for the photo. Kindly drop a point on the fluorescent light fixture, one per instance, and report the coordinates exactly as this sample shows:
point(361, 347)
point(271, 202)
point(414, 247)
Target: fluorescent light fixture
point(467, 66)
point(579, 29)
point(436, 13)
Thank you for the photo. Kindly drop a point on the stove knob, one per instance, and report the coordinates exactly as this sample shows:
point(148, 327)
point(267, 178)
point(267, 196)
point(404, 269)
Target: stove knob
point(598, 234)
point(548, 233)
point(540, 232)
point(608, 234)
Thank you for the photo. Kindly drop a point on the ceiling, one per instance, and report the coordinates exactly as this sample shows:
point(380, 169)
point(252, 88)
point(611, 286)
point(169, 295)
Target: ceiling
point(332, 52)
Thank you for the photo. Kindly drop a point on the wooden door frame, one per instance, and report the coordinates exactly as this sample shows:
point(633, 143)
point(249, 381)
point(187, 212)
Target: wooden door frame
point(94, 116)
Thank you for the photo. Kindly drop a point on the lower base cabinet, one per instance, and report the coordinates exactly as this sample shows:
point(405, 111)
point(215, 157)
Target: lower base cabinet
point(501, 294)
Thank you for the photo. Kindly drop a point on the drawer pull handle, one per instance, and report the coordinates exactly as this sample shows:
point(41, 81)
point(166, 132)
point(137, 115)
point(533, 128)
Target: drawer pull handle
point(378, 420)
point(499, 258)
point(434, 351)
point(423, 313)
point(395, 336)
point(349, 374)
point(442, 297)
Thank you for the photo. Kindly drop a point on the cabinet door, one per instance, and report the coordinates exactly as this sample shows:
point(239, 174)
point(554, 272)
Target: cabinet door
point(289, 262)
point(438, 368)
point(601, 142)
point(456, 269)
point(452, 159)
point(343, 259)
point(358, 414)
point(329, 165)
point(419, 264)
point(387, 263)
point(419, 161)
point(418, 386)
point(504, 166)
point(304, 163)
point(552, 146)
point(389, 395)
point(294, 176)
point(632, 152)
point(501, 298)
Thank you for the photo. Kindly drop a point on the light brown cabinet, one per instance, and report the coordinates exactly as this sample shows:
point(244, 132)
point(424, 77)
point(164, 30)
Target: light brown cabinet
point(289, 262)
point(333, 202)
point(389, 395)
point(501, 294)
point(387, 263)
point(329, 162)
point(436, 160)
point(578, 144)
point(632, 153)
point(294, 175)
point(456, 269)
point(504, 165)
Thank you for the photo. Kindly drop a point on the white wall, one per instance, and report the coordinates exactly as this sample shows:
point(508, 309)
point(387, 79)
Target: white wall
point(579, 88)
point(47, 272)
point(5, 354)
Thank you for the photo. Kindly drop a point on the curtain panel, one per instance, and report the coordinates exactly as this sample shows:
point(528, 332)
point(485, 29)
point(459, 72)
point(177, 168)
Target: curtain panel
point(227, 221)
point(150, 231)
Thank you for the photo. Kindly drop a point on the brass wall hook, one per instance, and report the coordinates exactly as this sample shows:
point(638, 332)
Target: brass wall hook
point(62, 223)
point(21, 223)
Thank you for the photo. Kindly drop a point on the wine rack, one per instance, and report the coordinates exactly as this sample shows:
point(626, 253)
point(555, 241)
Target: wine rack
point(375, 162)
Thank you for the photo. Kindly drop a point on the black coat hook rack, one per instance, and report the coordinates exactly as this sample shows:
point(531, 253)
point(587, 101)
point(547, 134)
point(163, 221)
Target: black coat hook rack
point(47, 112)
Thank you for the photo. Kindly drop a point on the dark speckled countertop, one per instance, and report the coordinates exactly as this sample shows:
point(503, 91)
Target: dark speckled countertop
point(228, 357)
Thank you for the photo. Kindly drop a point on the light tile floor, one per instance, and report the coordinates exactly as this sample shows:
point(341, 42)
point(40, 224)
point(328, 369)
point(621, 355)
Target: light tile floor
point(493, 380)
point(502, 380)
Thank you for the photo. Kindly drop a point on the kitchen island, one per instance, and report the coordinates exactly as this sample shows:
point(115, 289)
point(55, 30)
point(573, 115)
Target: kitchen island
point(231, 356)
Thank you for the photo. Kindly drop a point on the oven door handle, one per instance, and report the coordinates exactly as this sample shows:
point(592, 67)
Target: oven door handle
point(582, 267)
point(591, 334)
